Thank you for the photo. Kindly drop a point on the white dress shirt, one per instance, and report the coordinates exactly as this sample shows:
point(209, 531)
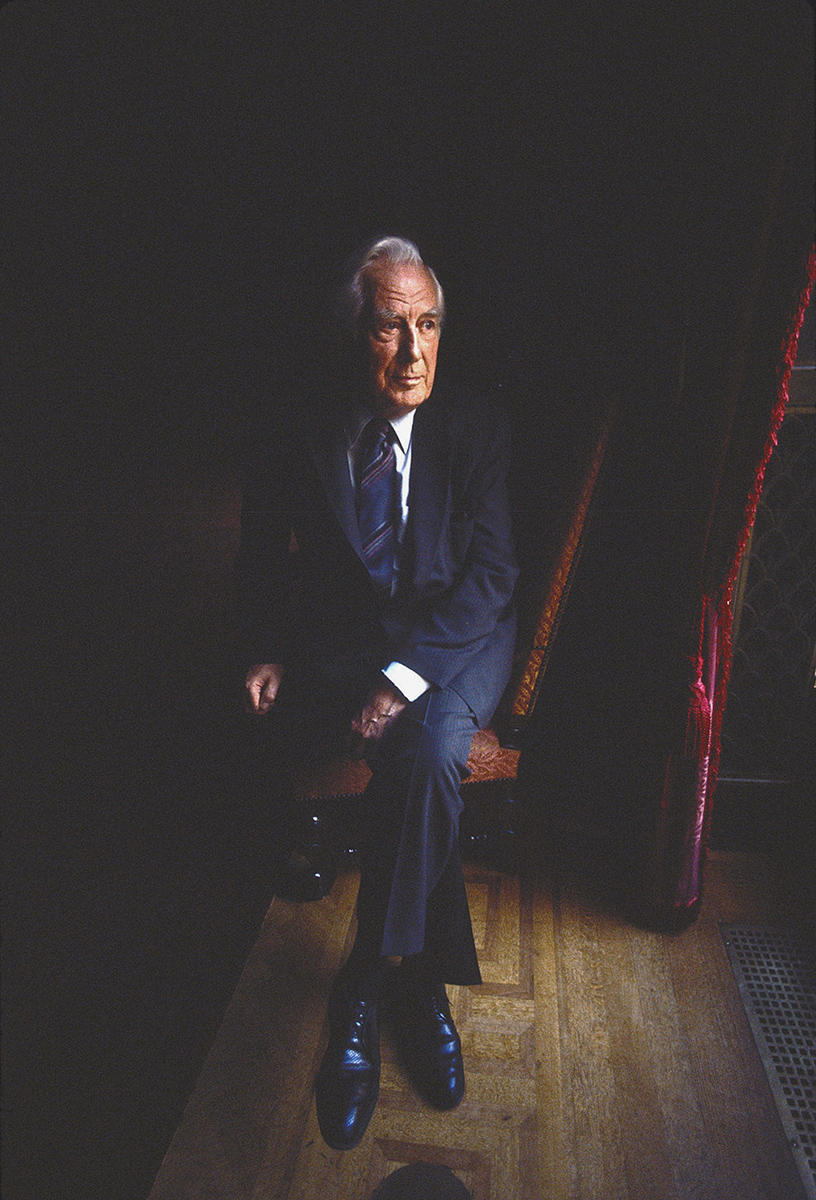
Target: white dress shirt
point(406, 681)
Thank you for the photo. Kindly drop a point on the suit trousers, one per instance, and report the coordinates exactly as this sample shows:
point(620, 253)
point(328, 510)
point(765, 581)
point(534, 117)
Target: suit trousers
point(412, 894)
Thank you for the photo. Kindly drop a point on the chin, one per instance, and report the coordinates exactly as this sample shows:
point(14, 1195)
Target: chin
point(411, 396)
point(403, 404)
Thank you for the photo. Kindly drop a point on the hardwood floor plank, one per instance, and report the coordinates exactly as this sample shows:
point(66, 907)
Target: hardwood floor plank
point(547, 1174)
point(684, 1132)
point(478, 890)
point(500, 955)
point(592, 1115)
point(636, 1098)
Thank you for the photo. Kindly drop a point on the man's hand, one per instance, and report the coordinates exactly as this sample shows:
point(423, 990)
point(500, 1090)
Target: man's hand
point(262, 683)
point(381, 707)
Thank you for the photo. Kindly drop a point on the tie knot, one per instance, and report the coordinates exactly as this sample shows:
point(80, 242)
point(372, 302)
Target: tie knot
point(377, 430)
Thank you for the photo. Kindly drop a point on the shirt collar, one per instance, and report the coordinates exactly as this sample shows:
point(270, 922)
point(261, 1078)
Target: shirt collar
point(402, 426)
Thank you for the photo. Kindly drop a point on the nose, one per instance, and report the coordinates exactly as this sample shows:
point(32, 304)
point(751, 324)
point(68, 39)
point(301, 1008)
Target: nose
point(410, 345)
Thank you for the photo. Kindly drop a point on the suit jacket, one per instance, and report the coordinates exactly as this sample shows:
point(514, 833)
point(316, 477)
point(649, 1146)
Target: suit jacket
point(452, 620)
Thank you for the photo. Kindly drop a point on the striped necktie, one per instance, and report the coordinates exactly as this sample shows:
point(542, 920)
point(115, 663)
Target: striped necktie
point(376, 501)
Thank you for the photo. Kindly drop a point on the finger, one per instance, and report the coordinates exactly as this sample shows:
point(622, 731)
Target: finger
point(374, 728)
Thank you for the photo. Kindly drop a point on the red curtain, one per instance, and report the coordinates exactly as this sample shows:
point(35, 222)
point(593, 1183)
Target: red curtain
point(680, 838)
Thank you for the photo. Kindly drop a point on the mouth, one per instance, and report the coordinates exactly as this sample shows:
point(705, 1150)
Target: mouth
point(409, 380)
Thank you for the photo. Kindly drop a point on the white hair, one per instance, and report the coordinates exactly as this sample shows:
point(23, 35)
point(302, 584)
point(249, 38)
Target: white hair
point(384, 250)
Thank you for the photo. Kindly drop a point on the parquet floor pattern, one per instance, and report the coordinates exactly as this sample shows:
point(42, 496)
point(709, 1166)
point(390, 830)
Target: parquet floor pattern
point(602, 1061)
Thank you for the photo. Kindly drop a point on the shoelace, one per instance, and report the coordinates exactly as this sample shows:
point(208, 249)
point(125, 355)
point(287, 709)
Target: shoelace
point(355, 1055)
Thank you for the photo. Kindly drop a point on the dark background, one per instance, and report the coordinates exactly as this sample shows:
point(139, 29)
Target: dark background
point(183, 181)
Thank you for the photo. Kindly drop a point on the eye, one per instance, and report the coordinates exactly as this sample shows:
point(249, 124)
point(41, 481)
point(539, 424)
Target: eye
point(428, 325)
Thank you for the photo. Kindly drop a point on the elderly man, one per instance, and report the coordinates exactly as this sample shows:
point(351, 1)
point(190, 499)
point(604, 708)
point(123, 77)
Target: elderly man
point(399, 633)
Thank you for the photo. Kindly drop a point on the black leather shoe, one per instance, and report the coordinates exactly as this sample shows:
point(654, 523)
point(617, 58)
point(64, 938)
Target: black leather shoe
point(432, 1049)
point(348, 1081)
point(308, 873)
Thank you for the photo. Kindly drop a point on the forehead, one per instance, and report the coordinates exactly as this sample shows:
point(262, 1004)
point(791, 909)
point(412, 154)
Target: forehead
point(401, 285)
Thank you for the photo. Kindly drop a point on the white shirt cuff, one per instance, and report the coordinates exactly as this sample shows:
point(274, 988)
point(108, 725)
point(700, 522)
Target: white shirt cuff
point(406, 681)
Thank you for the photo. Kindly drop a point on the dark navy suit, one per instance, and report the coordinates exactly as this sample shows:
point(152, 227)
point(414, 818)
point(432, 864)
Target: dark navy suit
point(451, 620)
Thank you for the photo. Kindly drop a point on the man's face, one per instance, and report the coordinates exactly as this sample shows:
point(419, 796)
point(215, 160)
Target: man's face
point(402, 337)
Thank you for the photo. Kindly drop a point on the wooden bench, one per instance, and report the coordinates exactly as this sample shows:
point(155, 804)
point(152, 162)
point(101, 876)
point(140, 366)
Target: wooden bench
point(494, 758)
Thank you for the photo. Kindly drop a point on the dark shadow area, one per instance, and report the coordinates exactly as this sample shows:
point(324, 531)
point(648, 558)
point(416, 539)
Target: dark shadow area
point(184, 183)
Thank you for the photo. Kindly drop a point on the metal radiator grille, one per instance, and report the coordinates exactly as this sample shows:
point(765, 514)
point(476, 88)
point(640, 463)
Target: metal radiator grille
point(775, 972)
point(766, 730)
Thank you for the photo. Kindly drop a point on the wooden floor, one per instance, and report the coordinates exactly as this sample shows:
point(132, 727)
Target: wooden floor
point(602, 1060)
